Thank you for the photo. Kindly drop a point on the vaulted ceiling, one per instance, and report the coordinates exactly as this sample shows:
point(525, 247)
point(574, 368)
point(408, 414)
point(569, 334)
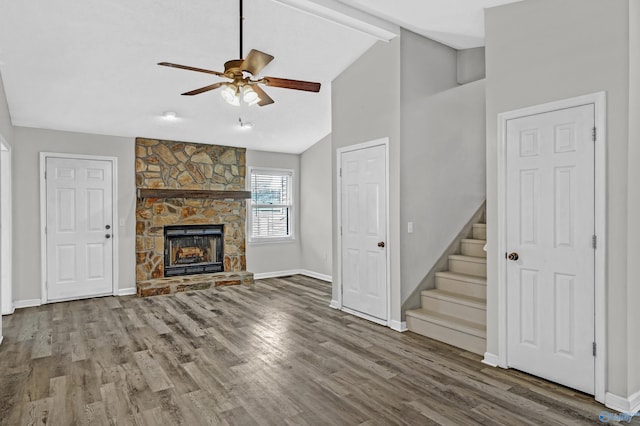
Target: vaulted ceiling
point(90, 66)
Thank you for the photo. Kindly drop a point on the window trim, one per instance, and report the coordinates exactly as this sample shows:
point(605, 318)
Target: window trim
point(292, 188)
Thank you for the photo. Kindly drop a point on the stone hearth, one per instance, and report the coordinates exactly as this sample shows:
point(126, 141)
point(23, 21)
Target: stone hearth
point(178, 165)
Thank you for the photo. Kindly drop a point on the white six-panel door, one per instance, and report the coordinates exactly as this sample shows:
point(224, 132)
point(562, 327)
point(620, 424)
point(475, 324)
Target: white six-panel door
point(550, 228)
point(363, 214)
point(79, 197)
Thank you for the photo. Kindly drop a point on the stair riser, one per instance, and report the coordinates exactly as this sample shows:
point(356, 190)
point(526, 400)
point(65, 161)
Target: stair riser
point(465, 341)
point(461, 287)
point(467, 313)
point(479, 232)
point(473, 249)
point(470, 268)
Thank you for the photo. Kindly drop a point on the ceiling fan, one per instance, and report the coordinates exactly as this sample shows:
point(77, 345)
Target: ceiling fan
point(244, 86)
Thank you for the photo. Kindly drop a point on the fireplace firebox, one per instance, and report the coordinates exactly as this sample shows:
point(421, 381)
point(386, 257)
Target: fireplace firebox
point(193, 249)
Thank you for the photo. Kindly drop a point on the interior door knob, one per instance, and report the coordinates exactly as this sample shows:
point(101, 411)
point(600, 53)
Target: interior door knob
point(381, 244)
point(513, 256)
point(107, 236)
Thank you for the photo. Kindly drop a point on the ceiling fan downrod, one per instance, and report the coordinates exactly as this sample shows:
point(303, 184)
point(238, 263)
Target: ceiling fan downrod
point(241, 30)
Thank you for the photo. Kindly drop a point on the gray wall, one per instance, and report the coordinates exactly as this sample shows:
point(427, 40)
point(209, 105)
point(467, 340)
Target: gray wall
point(316, 207)
point(432, 108)
point(6, 129)
point(471, 65)
point(26, 201)
point(427, 67)
point(264, 258)
point(545, 50)
point(365, 107)
point(443, 174)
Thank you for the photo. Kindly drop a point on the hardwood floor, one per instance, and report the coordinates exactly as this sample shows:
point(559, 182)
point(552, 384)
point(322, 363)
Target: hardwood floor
point(273, 353)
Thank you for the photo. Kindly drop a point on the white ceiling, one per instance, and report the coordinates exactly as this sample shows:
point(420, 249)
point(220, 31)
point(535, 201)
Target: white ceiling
point(90, 66)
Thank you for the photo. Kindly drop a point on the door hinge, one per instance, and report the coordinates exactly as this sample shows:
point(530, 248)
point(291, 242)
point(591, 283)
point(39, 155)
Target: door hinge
point(593, 134)
point(594, 348)
point(340, 171)
point(594, 241)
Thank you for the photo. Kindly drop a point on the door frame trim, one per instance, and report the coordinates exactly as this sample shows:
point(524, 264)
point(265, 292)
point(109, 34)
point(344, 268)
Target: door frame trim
point(6, 236)
point(337, 304)
point(43, 217)
point(600, 321)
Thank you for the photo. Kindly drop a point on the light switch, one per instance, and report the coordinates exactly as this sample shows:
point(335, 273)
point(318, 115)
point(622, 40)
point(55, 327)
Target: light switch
point(123, 222)
point(409, 227)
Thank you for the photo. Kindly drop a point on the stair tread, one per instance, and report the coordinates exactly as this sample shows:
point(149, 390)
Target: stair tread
point(468, 258)
point(461, 299)
point(475, 279)
point(474, 241)
point(448, 321)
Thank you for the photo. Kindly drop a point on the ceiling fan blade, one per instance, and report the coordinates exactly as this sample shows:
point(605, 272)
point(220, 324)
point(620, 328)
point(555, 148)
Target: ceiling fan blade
point(307, 86)
point(185, 67)
point(256, 61)
point(203, 89)
point(264, 98)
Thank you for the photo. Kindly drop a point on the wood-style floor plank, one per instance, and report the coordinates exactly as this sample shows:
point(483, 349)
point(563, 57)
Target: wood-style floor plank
point(273, 353)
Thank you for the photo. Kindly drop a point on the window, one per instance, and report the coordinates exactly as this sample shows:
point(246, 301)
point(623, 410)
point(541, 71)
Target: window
point(270, 211)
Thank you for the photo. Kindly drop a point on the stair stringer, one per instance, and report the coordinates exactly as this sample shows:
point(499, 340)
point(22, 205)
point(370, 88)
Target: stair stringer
point(414, 300)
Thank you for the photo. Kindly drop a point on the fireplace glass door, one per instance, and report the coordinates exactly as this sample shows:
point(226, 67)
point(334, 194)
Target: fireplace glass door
point(193, 249)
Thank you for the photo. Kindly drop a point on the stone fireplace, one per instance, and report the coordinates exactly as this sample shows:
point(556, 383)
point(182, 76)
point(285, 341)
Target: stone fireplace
point(190, 216)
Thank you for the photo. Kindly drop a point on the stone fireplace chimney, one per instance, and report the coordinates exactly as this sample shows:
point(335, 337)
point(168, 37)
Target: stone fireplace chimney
point(183, 183)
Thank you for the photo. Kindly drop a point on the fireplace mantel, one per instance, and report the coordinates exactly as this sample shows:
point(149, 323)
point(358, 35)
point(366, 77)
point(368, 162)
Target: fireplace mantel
point(192, 193)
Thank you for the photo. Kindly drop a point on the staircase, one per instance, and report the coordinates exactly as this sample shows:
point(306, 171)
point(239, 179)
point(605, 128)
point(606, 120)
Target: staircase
point(455, 312)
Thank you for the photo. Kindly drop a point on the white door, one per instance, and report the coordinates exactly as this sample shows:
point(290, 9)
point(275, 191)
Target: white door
point(79, 228)
point(363, 213)
point(550, 227)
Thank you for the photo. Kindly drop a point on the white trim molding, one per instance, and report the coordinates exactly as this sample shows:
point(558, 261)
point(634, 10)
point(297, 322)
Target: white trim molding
point(26, 303)
point(127, 291)
point(278, 274)
point(335, 304)
point(400, 326)
point(6, 241)
point(491, 359)
point(624, 405)
point(599, 101)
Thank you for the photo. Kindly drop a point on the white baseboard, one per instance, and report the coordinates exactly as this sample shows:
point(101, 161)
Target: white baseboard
point(1, 339)
point(634, 402)
point(27, 303)
point(400, 326)
point(622, 404)
point(491, 359)
point(277, 274)
point(127, 291)
point(13, 309)
point(316, 275)
point(335, 304)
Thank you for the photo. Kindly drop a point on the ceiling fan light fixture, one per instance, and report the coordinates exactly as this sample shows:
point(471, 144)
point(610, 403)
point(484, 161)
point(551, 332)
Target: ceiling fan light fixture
point(230, 94)
point(249, 95)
